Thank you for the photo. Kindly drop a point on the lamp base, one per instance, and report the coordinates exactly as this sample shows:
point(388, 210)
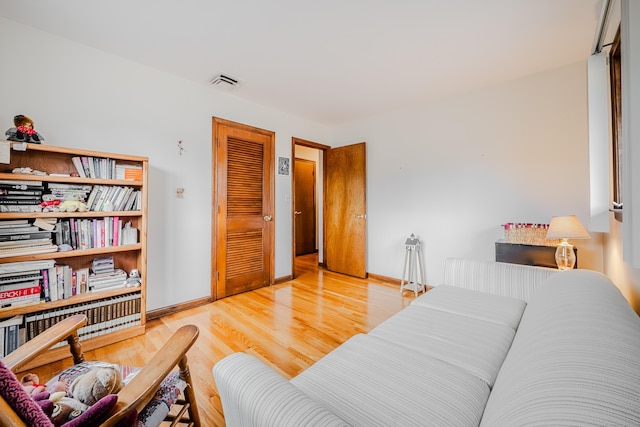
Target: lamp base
point(565, 257)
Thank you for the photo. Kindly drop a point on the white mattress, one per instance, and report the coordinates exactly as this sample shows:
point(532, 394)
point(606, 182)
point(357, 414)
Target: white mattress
point(475, 304)
point(369, 381)
point(575, 360)
point(477, 346)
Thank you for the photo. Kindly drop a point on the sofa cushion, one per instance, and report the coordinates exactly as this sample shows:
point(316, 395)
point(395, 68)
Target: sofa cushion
point(575, 359)
point(369, 381)
point(475, 345)
point(478, 305)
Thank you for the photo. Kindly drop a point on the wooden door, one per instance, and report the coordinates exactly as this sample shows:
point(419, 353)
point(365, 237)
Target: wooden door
point(345, 210)
point(305, 206)
point(243, 231)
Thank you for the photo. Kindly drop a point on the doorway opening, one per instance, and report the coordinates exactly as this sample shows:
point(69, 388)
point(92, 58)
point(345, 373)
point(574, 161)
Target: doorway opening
point(340, 209)
point(307, 200)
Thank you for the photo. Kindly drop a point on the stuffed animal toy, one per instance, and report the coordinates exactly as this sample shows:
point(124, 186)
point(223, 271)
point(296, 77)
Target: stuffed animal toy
point(72, 206)
point(92, 386)
point(38, 410)
point(31, 384)
point(23, 131)
point(50, 206)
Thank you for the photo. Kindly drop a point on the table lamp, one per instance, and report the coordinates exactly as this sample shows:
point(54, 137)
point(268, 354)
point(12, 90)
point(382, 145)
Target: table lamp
point(566, 227)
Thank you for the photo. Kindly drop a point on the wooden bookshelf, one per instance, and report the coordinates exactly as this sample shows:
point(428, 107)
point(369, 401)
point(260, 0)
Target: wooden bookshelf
point(58, 160)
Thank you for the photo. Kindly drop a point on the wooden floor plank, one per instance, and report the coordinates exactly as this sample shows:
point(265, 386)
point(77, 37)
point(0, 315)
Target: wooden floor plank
point(288, 326)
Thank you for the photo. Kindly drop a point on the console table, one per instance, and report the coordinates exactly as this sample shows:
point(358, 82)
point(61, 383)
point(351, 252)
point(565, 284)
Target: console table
point(517, 253)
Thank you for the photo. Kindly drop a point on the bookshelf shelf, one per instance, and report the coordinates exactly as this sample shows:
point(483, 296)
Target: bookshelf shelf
point(58, 164)
point(76, 299)
point(70, 179)
point(93, 214)
point(74, 253)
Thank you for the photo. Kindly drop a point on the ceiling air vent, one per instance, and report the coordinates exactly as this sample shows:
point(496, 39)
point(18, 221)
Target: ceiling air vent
point(224, 81)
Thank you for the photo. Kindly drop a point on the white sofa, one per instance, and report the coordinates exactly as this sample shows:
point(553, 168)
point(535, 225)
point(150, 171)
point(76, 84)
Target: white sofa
point(496, 345)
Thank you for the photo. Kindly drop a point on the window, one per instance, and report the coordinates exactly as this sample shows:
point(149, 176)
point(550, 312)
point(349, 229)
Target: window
point(616, 117)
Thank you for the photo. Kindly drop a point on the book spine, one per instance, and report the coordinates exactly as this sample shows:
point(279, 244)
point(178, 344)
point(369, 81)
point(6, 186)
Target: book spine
point(85, 166)
point(74, 283)
point(116, 231)
point(14, 201)
point(72, 233)
point(77, 162)
point(53, 283)
point(17, 280)
point(45, 285)
point(66, 232)
point(21, 195)
point(25, 236)
point(21, 208)
point(101, 233)
point(21, 185)
point(68, 292)
point(18, 294)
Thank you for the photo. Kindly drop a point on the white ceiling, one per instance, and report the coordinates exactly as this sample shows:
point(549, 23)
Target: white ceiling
point(331, 61)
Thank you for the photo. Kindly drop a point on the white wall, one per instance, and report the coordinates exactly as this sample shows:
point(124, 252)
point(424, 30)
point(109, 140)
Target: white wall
point(454, 170)
point(84, 98)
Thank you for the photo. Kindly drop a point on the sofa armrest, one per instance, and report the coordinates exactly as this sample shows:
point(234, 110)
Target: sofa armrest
point(253, 395)
point(497, 278)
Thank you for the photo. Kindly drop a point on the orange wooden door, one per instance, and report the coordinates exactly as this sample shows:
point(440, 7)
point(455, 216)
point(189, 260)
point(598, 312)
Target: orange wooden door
point(305, 206)
point(345, 210)
point(243, 230)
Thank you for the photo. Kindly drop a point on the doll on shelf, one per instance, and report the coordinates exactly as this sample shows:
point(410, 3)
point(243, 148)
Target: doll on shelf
point(23, 131)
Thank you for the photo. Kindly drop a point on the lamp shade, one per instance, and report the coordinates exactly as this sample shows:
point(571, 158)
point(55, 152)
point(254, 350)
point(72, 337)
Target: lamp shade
point(566, 227)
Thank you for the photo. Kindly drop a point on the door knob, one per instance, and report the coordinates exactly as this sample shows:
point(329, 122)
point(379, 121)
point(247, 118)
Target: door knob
point(268, 217)
point(363, 216)
point(297, 212)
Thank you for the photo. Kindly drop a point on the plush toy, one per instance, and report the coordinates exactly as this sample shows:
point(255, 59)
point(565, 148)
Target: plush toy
point(73, 206)
point(92, 386)
point(31, 384)
point(71, 412)
point(23, 131)
point(38, 410)
point(50, 206)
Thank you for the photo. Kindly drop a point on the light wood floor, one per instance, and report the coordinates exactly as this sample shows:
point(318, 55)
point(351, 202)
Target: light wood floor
point(288, 326)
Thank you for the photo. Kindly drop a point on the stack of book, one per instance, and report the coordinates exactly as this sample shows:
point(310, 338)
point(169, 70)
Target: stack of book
point(63, 192)
point(129, 172)
point(20, 196)
point(105, 276)
point(19, 237)
point(21, 283)
point(11, 334)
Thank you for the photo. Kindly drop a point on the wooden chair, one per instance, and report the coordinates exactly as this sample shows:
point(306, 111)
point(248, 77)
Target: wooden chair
point(137, 393)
